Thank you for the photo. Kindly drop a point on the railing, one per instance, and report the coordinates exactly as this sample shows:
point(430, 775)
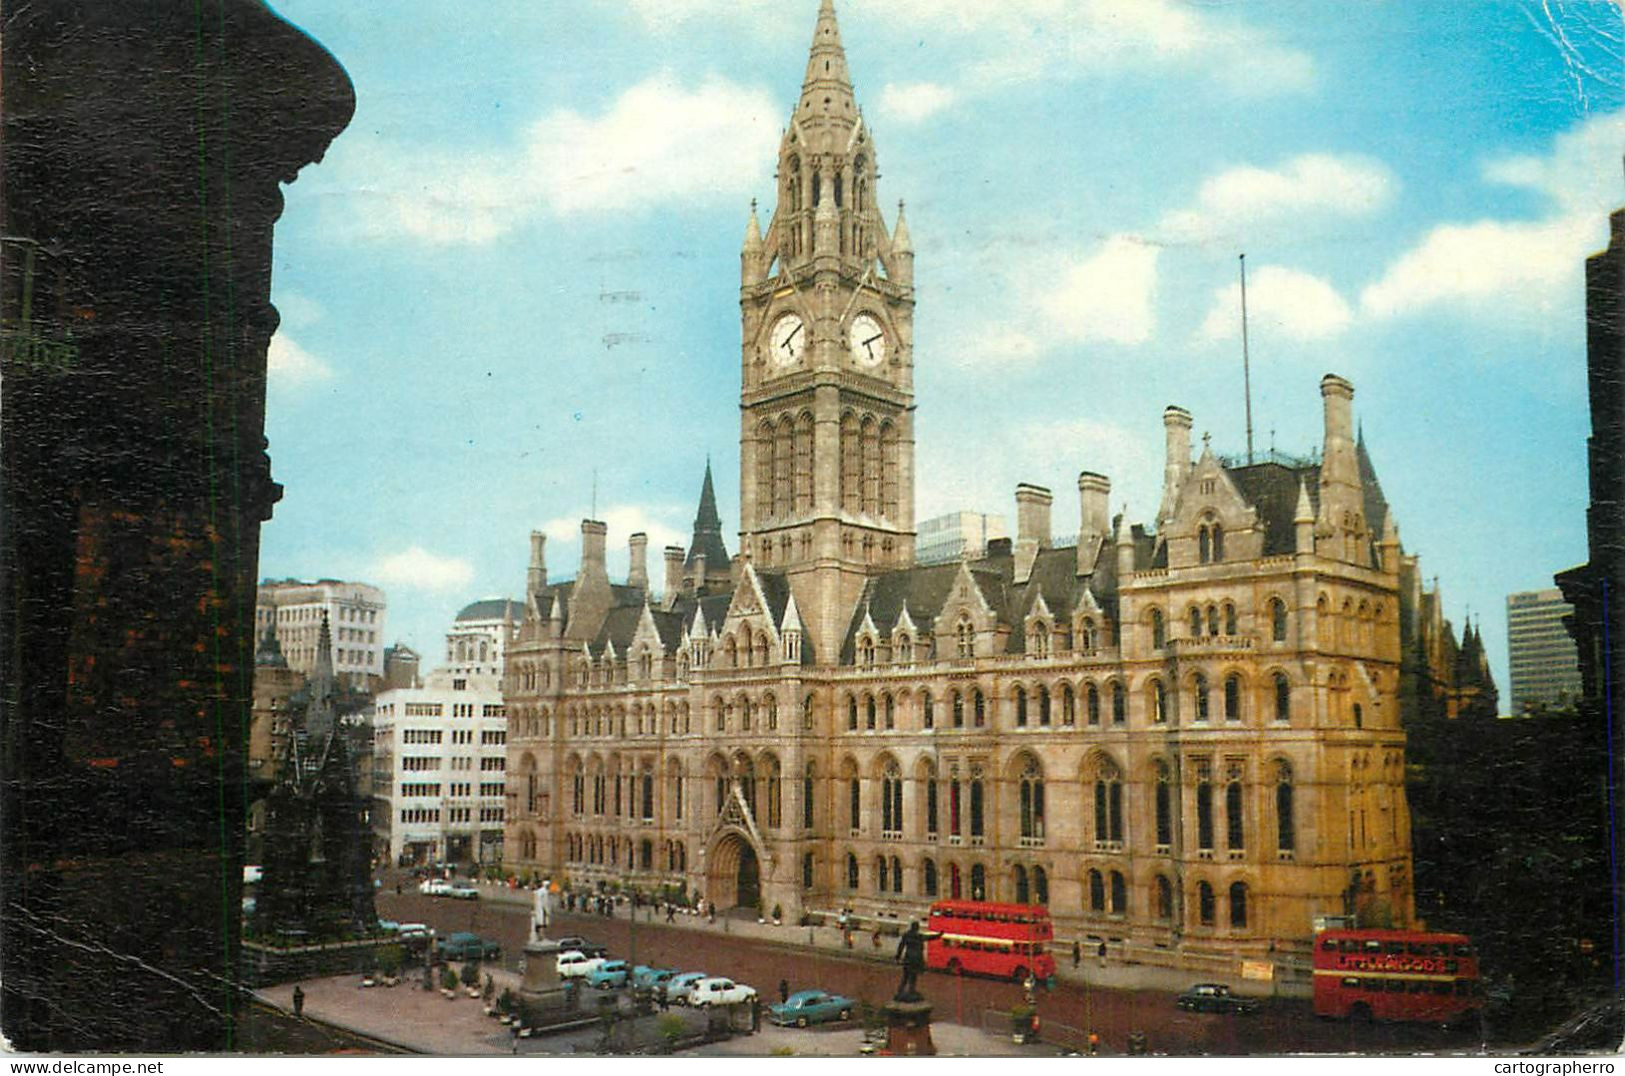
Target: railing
point(1108, 846)
point(1211, 644)
point(1031, 842)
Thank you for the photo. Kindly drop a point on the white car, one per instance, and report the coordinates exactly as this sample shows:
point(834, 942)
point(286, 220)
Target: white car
point(716, 991)
point(574, 964)
point(434, 887)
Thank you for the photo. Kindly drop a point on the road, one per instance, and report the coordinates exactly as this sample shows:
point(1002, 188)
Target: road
point(1280, 1026)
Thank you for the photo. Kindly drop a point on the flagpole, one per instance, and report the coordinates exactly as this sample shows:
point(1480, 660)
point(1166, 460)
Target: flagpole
point(1246, 363)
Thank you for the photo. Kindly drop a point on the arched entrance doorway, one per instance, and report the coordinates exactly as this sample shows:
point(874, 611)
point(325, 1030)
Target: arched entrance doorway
point(735, 874)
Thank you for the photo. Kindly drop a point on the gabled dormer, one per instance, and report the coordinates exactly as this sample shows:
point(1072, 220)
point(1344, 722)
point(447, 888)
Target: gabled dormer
point(1089, 630)
point(904, 636)
point(1211, 521)
point(1038, 629)
point(866, 642)
point(968, 627)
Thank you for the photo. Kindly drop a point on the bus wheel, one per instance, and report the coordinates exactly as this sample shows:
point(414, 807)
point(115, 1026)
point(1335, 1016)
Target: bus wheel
point(1360, 1011)
point(955, 968)
point(1019, 975)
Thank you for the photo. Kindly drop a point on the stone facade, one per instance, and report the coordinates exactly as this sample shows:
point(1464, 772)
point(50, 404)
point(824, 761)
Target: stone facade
point(1185, 739)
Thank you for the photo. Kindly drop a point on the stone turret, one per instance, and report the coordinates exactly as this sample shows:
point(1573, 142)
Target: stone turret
point(637, 571)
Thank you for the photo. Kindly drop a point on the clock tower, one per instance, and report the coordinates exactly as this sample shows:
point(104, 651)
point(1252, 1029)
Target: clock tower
point(826, 439)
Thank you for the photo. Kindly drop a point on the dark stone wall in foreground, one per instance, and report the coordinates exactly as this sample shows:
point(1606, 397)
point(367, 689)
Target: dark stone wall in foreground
point(144, 144)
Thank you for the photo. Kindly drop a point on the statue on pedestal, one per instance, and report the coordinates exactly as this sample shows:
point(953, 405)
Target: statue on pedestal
point(911, 954)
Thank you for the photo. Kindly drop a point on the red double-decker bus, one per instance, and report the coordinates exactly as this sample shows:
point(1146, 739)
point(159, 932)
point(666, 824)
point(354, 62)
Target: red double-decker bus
point(1396, 975)
point(1007, 941)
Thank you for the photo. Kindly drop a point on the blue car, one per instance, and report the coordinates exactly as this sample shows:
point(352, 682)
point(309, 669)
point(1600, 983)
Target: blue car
point(679, 987)
point(647, 978)
point(811, 1007)
point(610, 975)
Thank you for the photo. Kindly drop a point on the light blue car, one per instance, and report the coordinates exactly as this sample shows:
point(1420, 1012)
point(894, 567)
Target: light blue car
point(647, 978)
point(679, 988)
point(610, 975)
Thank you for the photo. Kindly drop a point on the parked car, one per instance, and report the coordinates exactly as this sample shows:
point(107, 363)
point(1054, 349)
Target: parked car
point(1214, 997)
point(648, 978)
point(678, 987)
point(811, 1007)
point(466, 946)
point(582, 945)
point(610, 975)
point(403, 930)
point(434, 887)
point(718, 991)
point(462, 891)
point(574, 964)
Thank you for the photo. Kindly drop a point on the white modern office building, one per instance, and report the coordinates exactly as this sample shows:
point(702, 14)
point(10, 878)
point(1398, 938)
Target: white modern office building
point(356, 614)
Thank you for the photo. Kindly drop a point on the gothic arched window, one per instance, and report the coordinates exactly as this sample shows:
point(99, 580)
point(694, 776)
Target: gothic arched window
point(1238, 905)
point(1232, 698)
point(1283, 697)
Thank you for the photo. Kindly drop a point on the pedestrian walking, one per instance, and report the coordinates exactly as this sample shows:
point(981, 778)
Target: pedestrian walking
point(1094, 1043)
point(671, 912)
point(1102, 953)
point(298, 1001)
point(784, 991)
point(1077, 952)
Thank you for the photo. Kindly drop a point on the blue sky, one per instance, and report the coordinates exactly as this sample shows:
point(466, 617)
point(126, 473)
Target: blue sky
point(513, 280)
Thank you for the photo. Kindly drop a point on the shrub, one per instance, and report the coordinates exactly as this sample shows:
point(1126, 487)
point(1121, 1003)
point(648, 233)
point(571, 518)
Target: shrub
point(778, 912)
point(470, 974)
point(448, 978)
point(390, 958)
point(671, 1027)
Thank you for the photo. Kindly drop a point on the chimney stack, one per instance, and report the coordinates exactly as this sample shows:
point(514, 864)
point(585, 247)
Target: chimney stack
point(674, 574)
point(1094, 518)
point(637, 571)
point(592, 542)
point(1032, 527)
point(1176, 425)
point(1032, 515)
point(537, 576)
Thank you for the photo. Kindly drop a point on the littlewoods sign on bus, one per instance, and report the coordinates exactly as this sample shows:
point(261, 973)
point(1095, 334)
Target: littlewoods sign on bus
point(1396, 962)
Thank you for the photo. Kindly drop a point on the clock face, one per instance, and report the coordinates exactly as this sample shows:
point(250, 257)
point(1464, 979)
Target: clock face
point(867, 341)
point(787, 341)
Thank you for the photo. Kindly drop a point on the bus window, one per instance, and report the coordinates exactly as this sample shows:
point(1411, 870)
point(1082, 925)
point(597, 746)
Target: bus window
point(1373, 946)
point(1395, 986)
point(1329, 945)
point(1418, 986)
point(1349, 946)
point(1442, 988)
point(1351, 984)
point(1395, 948)
point(1417, 949)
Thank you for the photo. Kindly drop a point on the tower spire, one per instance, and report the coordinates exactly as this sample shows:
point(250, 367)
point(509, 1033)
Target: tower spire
point(826, 68)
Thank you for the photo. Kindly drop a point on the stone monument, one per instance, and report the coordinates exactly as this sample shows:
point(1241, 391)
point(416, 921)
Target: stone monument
point(908, 1014)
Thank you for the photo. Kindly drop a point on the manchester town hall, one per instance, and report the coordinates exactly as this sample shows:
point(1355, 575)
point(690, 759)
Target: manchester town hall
point(1185, 738)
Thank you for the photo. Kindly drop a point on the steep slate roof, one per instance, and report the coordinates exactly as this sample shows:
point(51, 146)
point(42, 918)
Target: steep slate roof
point(707, 536)
point(925, 590)
point(1272, 488)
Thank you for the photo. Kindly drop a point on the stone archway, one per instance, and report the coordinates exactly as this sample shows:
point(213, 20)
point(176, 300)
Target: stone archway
point(734, 874)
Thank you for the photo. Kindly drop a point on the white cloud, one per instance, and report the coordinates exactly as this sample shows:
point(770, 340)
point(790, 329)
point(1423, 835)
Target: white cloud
point(659, 142)
point(290, 366)
point(1105, 295)
point(1485, 265)
point(1509, 267)
point(1285, 303)
point(417, 568)
point(915, 101)
point(1236, 204)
